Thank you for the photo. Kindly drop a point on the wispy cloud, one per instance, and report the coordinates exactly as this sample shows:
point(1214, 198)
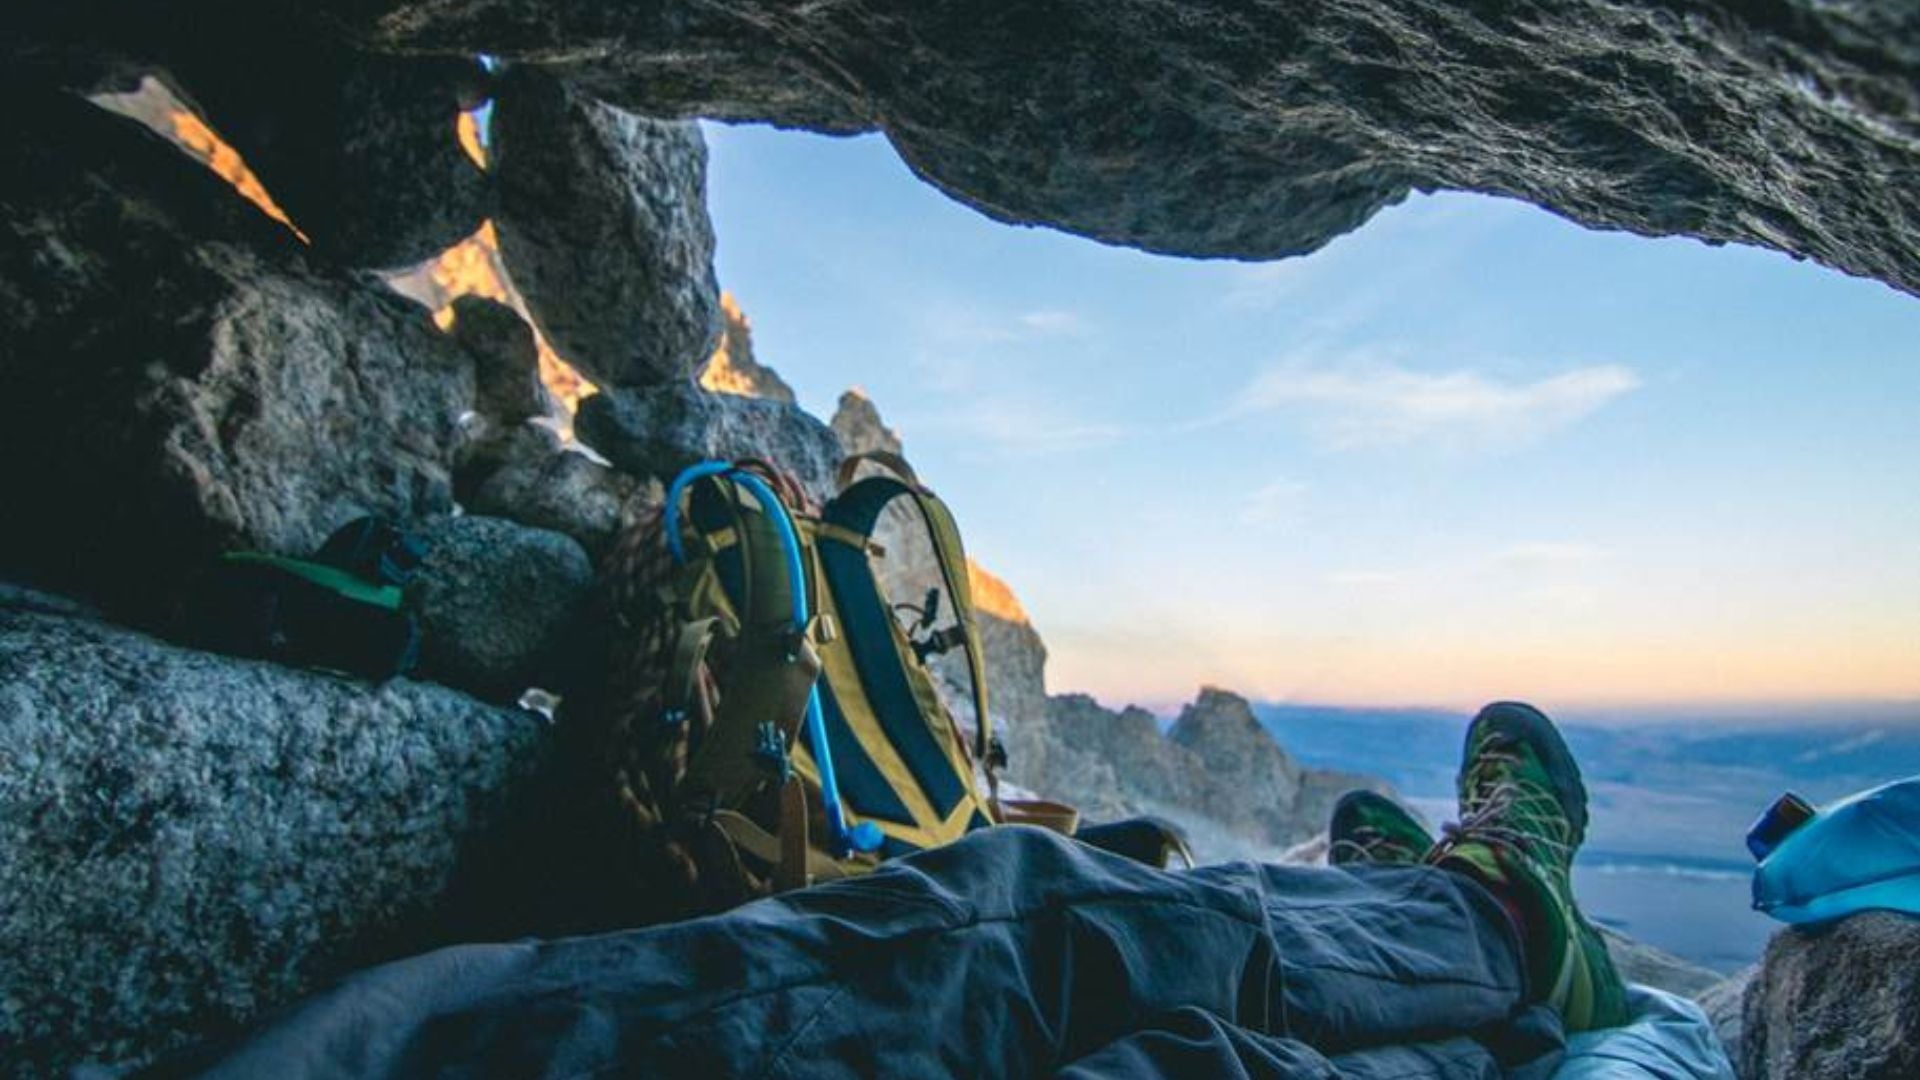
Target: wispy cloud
point(1363, 579)
point(1265, 285)
point(961, 324)
point(1556, 575)
point(1052, 321)
point(1021, 428)
point(1384, 404)
point(1273, 503)
point(1551, 554)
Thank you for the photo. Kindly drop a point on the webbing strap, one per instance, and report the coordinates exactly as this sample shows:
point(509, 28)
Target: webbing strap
point(927, 752)
point(690, 646)
point(857, 510)
point(787, 553)
point(725, 769)
point(749, 837)
point(792, 872)
point(887, 458)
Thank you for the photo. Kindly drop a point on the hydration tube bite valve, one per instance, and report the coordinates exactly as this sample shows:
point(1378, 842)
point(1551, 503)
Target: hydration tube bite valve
point(844, 840)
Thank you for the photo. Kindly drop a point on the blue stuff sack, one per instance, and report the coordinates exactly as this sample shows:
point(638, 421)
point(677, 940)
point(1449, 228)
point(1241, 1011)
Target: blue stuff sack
point(1859, 854)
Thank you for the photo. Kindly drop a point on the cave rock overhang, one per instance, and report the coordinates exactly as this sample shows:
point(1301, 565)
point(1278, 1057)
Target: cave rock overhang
point(1259, 131)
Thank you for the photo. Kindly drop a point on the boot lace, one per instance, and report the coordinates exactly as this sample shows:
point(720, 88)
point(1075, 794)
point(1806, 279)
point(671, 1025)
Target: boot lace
point(1366, 844)
point(1503, 810)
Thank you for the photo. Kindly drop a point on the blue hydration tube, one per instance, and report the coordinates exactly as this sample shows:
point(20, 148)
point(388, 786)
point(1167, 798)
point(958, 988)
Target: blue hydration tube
point(864, 836)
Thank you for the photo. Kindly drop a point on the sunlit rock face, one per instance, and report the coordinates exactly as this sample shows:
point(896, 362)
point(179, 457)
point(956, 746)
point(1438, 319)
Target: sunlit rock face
point(356, 145)
point(733, 368)
point(1264, 129)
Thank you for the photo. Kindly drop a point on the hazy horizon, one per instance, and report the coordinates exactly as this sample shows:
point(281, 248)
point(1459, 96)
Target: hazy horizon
point(1732, 715)
point(1470, 451)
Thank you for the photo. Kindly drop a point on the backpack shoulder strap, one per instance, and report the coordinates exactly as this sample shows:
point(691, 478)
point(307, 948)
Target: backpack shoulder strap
point(892, 462)
point(777, 625)
point(857, 510)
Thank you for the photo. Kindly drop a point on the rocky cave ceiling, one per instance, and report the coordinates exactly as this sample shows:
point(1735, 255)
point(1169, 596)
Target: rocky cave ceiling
point(1246, 130)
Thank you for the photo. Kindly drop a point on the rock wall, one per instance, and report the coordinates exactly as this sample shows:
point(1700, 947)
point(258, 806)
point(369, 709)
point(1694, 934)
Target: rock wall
point(656, 432)
point(603, 223)
point(189, 840)
point(1843, 1001)
point(1015, 653)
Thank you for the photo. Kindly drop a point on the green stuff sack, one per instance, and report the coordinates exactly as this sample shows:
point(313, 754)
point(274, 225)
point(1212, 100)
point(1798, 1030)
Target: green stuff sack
point(343, 610)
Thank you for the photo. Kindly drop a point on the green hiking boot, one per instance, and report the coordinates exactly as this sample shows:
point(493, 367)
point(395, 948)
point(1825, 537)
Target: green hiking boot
point(1523, 814)
point(1367, 827)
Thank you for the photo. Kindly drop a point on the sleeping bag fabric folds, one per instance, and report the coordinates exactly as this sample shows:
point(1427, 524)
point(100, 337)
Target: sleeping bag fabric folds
point(1013, 952)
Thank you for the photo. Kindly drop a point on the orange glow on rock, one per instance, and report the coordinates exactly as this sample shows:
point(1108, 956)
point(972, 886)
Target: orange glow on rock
point(721, 375)
point(472, 268)
point(194, 134)
point(992, 595)
point(468, 129)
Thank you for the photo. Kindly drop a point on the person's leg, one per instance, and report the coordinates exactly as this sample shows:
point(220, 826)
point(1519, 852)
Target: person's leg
point(1368, 827)
point(1372, 955)
point(1523, 815)
point(1009, 953)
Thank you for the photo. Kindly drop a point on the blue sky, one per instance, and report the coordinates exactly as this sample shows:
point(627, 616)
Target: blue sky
point(1468, 451)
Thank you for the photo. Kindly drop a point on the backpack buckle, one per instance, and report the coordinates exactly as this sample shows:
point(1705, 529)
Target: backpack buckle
point(939, 641)
point(770, 751)
point(996, 753)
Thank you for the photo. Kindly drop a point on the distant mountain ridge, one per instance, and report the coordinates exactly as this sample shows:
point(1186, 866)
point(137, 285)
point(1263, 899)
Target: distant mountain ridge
point(1418, 748)
point(1217, 773)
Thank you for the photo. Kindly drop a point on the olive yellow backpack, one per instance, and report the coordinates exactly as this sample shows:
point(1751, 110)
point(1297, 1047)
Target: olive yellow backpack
point(773, 722)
